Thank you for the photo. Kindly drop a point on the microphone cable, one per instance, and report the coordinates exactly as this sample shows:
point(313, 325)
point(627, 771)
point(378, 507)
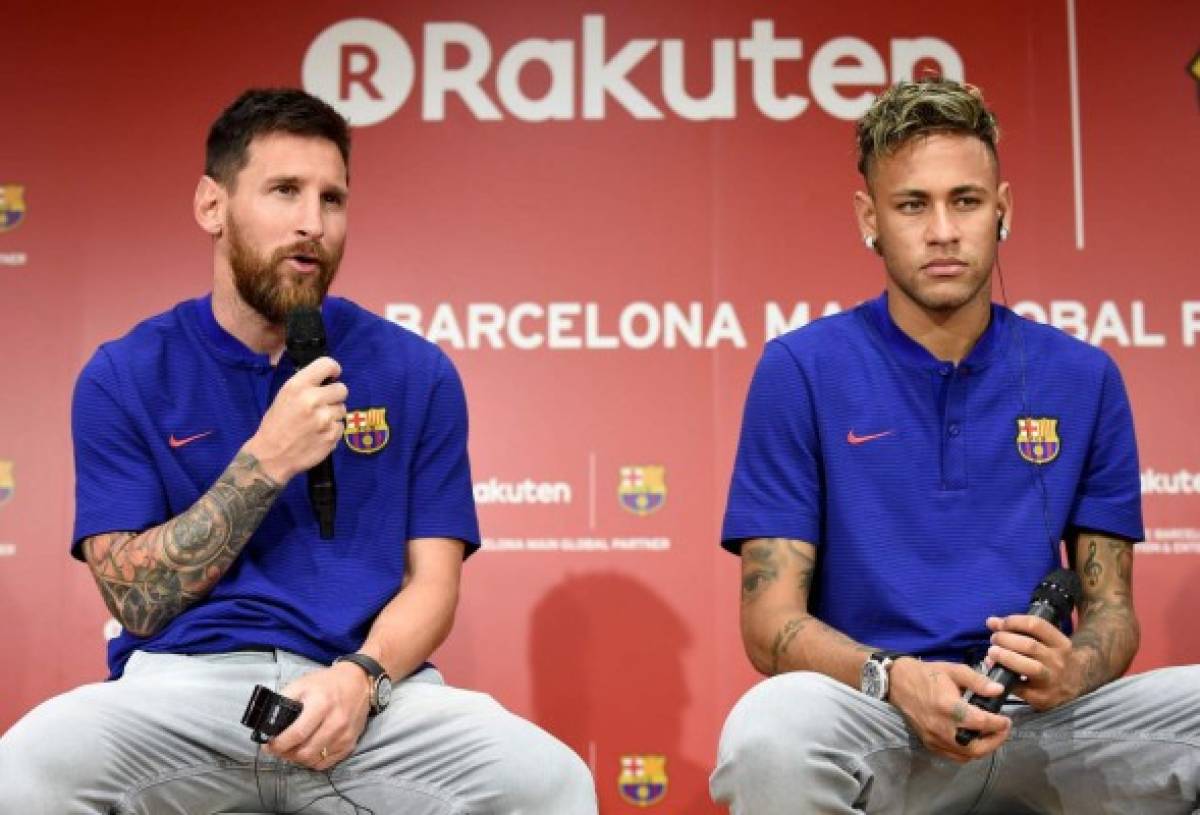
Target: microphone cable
point(1055, 545)
point(328, 777)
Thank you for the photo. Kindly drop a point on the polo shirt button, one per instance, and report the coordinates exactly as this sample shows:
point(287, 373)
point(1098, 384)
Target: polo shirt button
point(952, 430)
point(944, 370)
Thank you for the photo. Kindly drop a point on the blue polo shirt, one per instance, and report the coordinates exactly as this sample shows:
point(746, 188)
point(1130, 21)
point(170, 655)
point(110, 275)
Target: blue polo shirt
point(936, 495)
point(160, 413)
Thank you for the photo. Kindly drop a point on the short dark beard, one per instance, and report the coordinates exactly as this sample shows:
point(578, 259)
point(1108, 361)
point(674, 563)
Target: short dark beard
point(270, 289)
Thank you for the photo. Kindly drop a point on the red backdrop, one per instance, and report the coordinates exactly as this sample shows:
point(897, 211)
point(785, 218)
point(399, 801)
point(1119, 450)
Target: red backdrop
point(539, 190)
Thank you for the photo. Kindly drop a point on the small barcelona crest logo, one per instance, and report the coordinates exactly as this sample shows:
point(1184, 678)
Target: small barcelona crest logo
point(367, 430)
point(1037, 439)
point(12, 206)
point(643, 780)
point(643, 489)
point(7, 485)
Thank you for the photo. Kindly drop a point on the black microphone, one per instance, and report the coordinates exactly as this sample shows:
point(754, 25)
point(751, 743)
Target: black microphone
point(305, 343)
point(1053, 600)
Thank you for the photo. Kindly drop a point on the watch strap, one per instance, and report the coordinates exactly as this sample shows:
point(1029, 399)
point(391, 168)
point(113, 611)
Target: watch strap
point(374, 671)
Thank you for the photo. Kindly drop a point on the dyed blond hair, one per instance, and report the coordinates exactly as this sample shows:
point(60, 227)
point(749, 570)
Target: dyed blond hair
point(911, 110)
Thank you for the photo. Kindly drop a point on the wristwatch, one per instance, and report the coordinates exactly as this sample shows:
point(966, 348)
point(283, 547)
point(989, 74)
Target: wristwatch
point(875, 673)
point(381, 683)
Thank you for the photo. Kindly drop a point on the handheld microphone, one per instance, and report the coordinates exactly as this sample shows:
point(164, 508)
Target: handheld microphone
point(306, 343)
point(1053, 601)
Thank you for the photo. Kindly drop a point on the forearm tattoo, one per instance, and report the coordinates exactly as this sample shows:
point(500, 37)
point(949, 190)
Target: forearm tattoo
point(765, 562)
point(1108, 633)
point(147, 578)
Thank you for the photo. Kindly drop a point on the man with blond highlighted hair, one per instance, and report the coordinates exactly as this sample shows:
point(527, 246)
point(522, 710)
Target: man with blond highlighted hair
point(906, 475)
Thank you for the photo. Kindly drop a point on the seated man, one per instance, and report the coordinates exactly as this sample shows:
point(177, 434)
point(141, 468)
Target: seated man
point(192, 437)
point(906, 475)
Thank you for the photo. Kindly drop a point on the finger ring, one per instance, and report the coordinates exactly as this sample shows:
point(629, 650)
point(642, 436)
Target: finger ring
point(324, 752)
point(959, 714)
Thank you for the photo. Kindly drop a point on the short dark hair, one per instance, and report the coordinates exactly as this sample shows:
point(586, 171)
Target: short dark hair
point(260, 111)
point(909, 110)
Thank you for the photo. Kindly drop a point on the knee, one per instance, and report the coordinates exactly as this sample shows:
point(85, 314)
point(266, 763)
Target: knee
point(541, 774)
point(52, 758)
point(782, 719)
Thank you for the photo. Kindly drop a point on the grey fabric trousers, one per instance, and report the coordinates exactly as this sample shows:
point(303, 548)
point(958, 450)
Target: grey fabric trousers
point(167, 738)
point(804, 743)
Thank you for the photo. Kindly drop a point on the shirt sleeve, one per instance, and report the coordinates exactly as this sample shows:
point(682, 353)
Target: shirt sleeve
point(441, 502)
point(116, 485)
point(776, 489)
point(1109, 496)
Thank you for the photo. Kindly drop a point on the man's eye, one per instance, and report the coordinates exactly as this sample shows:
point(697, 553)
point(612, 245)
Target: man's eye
point(286, 189)
point(910, 206)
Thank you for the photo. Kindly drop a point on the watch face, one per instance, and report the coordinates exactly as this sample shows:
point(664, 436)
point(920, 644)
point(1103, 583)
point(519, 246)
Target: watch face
point(874, 679)
point(383, 693)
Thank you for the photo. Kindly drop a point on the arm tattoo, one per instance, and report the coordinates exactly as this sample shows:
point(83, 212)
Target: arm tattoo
point(772, 628)
point(760, 568)
point(784, 638)
point(762, 560)
point(797, 624)
point(1093, 572)
point(1108, 633)
point(148, 578)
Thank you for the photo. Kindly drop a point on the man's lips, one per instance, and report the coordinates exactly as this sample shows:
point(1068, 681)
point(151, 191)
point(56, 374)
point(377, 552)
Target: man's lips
point(304, 263)
point(945, 266)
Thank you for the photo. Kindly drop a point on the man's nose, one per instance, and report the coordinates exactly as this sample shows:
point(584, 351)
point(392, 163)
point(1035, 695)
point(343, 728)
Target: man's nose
point(311, 218)
point(942, 227)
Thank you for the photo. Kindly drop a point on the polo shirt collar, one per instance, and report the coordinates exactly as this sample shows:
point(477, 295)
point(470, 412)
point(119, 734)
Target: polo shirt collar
point(230, 349)
point(989, 347)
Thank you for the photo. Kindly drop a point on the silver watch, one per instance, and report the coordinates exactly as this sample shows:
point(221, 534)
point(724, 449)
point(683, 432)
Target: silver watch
point(876, 672)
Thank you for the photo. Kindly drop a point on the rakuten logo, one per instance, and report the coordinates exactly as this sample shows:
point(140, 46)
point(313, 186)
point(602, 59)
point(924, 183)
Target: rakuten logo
point(366, 70)
point(1180, 482)
point(495, 491)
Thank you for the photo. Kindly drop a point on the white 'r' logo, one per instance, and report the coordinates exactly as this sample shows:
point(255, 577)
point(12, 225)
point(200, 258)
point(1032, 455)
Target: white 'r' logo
point(363, 68)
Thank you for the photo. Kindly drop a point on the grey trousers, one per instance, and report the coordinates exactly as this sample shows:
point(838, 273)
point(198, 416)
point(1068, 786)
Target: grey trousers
point(804, 743)
point(167, 738)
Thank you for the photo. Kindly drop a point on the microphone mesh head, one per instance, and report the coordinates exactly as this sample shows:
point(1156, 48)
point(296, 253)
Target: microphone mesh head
point(305, 324)
point(1061, 589)
point(305, 335)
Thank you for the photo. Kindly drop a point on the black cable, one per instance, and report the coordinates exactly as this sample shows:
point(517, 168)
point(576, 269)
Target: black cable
point(328, 777)
point(1055, 545)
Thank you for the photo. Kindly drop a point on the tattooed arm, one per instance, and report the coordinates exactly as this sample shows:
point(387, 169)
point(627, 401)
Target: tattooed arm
point(1056, 669)
point(1108, 634)
point(149, 577)
point(780, 635)
point(778, 632)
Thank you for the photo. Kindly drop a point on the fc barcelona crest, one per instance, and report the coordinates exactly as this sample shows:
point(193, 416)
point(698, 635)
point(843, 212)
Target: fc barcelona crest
point(643, 489)
point(6, 481)
point(12, 206)
point(1037, 439)
point(367, 430)
point(643, 780)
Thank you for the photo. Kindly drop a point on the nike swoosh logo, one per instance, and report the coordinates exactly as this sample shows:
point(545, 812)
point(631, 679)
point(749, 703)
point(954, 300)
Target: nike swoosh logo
point(177, 443)
point(853, 439)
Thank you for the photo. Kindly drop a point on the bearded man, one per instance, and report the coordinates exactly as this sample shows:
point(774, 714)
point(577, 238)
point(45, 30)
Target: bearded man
point(190, 432)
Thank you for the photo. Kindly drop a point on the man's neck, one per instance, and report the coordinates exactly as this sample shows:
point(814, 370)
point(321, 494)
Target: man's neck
point(948, 335)
point(244, 323)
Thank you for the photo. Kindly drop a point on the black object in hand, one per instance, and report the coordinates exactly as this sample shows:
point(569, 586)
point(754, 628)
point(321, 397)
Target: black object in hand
point(305, 344)
point(1053, 600)
point(269, 714)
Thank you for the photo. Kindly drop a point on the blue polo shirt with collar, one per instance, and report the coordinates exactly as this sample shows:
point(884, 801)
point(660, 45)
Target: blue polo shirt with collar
point(936, 495)
point(160, 413)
